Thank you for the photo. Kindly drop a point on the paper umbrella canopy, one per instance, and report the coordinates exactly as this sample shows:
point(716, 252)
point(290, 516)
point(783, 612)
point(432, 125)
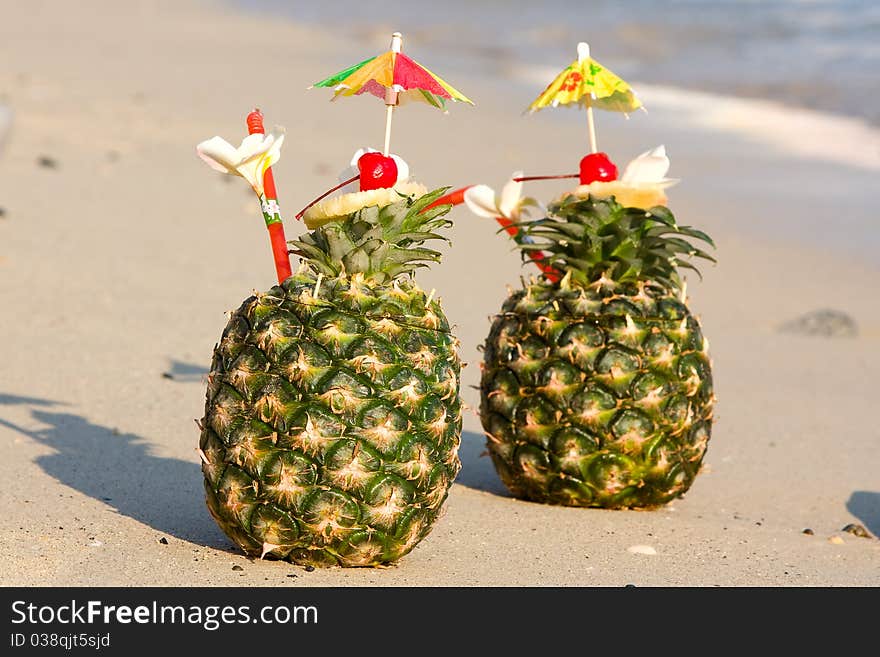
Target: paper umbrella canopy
point(395, 72)
point(586, 82)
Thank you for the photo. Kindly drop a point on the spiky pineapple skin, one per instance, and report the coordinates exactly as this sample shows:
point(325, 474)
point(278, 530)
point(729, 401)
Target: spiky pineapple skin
point(332, 421)
point(596, 397)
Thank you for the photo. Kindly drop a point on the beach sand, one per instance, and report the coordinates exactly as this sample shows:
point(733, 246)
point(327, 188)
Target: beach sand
point(120, 252)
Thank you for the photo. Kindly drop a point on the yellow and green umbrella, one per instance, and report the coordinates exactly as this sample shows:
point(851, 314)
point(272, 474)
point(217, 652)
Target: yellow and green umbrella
point(393, 77)
point(587, 83)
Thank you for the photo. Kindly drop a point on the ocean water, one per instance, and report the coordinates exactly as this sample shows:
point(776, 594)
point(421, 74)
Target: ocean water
point(818, 54)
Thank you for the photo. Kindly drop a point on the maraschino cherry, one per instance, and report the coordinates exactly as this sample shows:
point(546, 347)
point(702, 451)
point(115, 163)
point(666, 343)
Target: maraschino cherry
point(597, 167)
point(377, 171)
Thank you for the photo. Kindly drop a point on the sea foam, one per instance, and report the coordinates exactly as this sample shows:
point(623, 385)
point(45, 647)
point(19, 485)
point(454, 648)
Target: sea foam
point(799, 131)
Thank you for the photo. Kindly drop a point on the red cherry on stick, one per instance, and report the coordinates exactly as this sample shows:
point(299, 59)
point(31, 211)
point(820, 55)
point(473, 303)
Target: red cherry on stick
point(377, 171)
point(597, 167)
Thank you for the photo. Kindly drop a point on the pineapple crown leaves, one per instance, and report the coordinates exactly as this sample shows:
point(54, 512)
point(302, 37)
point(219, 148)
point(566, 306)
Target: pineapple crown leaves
point(382, 243)
point(594, 238)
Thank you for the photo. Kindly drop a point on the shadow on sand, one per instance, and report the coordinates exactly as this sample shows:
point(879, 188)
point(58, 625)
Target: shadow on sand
point(120, 470)
point(185, 372)
point(477, 471)
point(865, 505)
point(165, 493)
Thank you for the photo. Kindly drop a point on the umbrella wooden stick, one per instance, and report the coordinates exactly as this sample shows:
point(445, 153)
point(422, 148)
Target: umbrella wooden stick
point(583, 55)
point(391, 96)
point(388, 116)
point(591, 126)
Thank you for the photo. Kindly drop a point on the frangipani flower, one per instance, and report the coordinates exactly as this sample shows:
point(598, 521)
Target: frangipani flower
point(640, 186)
point(483, 202)
point(352, 170)
point(649, 168)
point(257, 153)
point(507, 209)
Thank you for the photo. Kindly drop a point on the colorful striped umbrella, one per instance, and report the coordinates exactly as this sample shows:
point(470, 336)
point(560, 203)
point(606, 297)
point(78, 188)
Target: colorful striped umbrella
point(395, 78)
point(586, 82)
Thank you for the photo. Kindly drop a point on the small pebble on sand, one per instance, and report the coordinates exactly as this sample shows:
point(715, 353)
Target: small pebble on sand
point(163, 541)
point(836, 540)
point(857, 530)
point(237, 567)
point(641, 549)
point(823, 323)
point(808, 532)
point(47, 162)
point(310, 569)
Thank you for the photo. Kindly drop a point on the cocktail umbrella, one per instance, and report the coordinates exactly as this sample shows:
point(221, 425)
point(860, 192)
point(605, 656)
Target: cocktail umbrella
point(395, 78)
point(587, 83)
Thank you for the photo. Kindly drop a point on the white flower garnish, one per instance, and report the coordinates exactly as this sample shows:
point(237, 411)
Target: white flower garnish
point(257, 153)
point(649, 168)
point(483, 202)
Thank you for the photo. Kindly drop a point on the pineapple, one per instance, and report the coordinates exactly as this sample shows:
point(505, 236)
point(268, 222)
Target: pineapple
point(333, 413)
point(596, 386)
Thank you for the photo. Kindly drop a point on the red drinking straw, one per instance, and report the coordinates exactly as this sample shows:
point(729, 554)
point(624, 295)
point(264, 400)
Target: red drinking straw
point(452, 198)
point(273, 220)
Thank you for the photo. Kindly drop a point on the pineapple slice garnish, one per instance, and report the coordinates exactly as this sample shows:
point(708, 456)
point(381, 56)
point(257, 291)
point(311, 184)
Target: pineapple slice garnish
point(644, 196)
point(337, 207)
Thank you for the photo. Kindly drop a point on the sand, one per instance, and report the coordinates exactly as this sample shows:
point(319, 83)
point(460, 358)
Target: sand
point(120, 252)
